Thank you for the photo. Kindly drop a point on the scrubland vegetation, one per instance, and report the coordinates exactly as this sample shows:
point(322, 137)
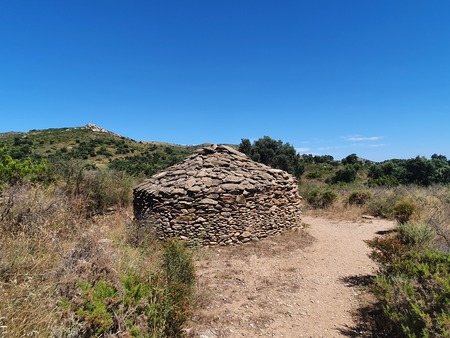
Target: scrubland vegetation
point(73, 263)
point(412, 285)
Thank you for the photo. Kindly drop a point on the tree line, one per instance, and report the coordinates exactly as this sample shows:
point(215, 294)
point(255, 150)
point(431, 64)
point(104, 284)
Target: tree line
point(275, 153)
point(418, 170)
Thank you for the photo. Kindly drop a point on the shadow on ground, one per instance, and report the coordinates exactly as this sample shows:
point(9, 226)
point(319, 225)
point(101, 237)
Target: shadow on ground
point(368, 317)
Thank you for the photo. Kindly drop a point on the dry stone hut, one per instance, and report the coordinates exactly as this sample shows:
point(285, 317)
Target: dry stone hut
point(219, 196)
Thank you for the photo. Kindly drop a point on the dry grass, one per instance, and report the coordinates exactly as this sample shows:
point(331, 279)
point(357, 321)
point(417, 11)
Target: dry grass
point(340, 211)
point(46, 245)
point(431, 206)
point(35, 231)
point(432, 203)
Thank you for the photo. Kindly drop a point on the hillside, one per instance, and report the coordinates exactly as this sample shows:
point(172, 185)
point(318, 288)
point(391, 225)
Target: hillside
point(94, 146)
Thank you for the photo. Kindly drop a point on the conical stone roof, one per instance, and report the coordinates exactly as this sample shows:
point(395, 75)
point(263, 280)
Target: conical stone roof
point(218, 195)
point(216, 169)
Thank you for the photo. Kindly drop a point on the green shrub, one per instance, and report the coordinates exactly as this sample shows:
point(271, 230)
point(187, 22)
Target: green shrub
point(415, 235)
point(382, 202)
point(385, 251)
point(321, 199)
point(347, 174)
point(386, 181)
point(138, 304)
point(413, 284)
point(177, 263)
point(416, 295)
point(179, 273)
point(13, 171)
point(314, 175)
point(360, 197)
point(106, 189)
point(100, 189)
point(97, 307)
point(403, 211)
point(137, 309)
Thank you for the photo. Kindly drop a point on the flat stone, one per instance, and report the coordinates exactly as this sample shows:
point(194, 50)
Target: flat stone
point(160, 175)
point(195, 189)
point(245, 234)
point(190, 183)
point(229, 186)
point(208, 201)
point(202, 173)
point(228, 199)
point(240, 199)
point(178, 172)
point(232, 179)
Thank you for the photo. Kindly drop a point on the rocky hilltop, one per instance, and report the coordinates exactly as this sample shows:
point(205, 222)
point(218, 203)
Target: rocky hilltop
point(219, 196)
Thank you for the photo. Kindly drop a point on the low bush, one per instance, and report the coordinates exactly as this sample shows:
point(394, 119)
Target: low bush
point(179, 273)
point(382, 202)
point(65, 275)
point(359, 197)
point(99, 301)
point(102, 190)
point(106, 189)
point(403, 210)
point(321, 199)
point(415, 235)
point(138, 308)
point(16, 171)
point(177, 263)
point(413, 284)
point(346, 175)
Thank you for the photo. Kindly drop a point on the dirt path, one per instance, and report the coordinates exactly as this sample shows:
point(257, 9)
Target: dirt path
point(292, 285)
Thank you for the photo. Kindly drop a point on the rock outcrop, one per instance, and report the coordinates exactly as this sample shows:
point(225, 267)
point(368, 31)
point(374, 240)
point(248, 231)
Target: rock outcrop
point(219, 196)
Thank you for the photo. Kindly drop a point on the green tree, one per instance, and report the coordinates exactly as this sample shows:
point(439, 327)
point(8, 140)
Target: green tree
point(13, 171)
point(275, 154)
point(419, 171)
point(350, 159)
point(346, 174)
point(245, 146)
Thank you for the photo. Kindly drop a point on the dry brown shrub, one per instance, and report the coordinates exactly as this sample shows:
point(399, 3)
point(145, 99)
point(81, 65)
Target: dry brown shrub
point(44, 245)
point(27, 285)
point(34, 210)
point(90, 260)
point(35, 223)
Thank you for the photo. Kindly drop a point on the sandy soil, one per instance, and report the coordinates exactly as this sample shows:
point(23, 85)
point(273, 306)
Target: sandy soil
point(299, 284)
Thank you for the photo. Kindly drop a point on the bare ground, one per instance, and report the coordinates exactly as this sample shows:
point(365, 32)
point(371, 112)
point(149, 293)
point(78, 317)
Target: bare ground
point(298, 284)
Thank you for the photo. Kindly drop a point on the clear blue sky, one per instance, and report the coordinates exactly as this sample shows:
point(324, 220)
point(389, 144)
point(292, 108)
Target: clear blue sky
point(329, 77)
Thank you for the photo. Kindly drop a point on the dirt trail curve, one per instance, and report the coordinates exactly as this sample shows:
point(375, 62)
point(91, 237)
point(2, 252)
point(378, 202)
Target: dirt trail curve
point(290, 285)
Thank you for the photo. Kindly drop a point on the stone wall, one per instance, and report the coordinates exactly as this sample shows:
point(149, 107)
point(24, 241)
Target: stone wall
point(219, 196)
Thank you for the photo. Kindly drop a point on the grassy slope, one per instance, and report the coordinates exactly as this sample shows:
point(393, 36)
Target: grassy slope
point(93, 147)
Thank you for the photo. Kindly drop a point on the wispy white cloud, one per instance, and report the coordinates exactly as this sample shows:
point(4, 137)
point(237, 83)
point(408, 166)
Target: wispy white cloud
point(377, 145)
point(302, 150)
point(359, 138)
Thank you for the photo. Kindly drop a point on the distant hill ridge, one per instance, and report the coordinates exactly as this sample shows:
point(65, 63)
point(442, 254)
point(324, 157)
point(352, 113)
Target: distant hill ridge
point(94, 145)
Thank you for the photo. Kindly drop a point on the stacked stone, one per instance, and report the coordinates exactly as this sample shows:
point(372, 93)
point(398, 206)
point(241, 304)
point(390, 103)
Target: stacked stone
point(219, 196)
